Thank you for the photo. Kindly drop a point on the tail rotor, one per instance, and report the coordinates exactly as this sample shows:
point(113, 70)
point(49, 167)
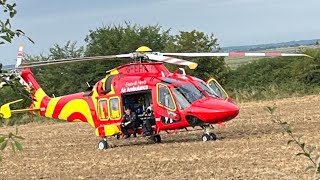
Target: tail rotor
point(9, 75)
point(20, 55)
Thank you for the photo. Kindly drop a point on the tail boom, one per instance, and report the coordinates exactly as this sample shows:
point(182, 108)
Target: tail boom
point(73, 107)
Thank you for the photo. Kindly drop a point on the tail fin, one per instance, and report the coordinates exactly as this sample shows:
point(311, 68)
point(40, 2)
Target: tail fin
point(34, 88)
point(27, 79)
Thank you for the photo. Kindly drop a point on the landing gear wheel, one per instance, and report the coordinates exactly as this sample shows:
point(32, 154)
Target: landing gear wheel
point(118, 137)
point(206, 137)
point(103, 144)
point(213, 136)
point(156, 138)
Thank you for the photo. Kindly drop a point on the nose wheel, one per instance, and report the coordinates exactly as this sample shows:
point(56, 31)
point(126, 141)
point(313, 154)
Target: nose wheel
point(103, 144)
point(208, 135)
point(156, 138)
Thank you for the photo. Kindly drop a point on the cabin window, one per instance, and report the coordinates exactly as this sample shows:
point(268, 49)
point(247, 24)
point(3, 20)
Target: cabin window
point(164, 97)
point(103, 109)
point(114, 104)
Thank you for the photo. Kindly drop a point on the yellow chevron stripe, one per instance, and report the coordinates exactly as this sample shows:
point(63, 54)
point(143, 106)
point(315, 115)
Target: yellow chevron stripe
point(51, 106)
point(77, 105)
point(39, 95)
point(94, 100)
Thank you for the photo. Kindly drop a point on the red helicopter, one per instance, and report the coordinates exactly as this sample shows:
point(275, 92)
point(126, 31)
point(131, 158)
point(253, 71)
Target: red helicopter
point(179, 100)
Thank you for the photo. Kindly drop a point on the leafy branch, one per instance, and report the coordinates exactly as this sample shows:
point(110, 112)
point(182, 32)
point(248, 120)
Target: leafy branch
point(6, 31)
point(11, 139)
point(310, 153)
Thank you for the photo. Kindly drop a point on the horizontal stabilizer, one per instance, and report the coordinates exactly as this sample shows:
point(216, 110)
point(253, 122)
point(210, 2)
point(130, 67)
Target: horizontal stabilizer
point(6, 112)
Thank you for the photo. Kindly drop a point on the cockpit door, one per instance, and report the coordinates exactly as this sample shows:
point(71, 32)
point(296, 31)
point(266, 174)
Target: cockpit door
point(167, 106)
point(217, 88)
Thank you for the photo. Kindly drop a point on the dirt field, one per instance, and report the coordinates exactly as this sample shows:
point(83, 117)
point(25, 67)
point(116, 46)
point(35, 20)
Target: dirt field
point(251, 147)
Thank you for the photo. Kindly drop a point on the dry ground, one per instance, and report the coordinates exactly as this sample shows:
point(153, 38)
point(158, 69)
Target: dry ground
point(251, 147)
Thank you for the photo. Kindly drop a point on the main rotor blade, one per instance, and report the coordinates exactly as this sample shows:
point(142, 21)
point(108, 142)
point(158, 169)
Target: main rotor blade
point(234, 54)
point(72, 60)
point(172, 60)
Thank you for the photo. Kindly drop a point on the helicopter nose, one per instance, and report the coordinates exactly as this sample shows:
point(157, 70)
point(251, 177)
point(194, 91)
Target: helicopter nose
point(214, 110)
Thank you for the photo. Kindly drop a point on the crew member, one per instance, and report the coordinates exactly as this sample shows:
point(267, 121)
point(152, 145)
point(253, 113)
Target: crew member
point(129, 122)
point(150, 108)
point(148, 117)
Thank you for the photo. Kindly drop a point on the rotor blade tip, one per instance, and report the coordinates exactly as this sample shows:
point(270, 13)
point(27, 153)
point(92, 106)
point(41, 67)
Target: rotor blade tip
point(308, 56)
point(193, 65)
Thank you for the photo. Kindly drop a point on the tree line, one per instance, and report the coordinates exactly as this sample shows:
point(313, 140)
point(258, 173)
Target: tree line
point(261, 79)
point(126, 38)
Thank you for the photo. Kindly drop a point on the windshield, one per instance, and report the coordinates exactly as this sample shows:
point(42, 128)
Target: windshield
point(181, 99)
point(213, 85)
point(186, 94)
point(207, 89)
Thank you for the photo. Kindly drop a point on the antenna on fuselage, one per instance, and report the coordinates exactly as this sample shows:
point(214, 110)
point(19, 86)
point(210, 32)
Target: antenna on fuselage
point(183, 71)
point(89, 87)
point(162, 73)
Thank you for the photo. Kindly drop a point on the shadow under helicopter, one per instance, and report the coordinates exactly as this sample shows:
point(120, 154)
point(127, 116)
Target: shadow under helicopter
point(195, 136)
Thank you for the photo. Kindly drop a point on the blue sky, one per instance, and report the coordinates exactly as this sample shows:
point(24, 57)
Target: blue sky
point(234, 22)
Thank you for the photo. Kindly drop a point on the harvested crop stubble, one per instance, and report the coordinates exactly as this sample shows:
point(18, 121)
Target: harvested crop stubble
point(251, 147)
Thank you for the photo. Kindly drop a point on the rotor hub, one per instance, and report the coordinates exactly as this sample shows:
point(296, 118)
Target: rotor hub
point(143, 49)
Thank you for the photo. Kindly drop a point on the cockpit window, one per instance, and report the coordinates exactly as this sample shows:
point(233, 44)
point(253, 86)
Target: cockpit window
point(207, 89)
point(213, 85)
point(188, 92)
point(181, 99)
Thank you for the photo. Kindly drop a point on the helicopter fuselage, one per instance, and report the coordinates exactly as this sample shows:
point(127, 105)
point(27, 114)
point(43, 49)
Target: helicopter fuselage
point(178, 100)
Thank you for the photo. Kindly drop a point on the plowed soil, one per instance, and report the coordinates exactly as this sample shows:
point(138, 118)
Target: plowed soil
point(251, 147)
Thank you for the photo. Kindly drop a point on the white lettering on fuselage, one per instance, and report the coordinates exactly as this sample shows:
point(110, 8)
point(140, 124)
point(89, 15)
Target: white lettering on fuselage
point(135, 86)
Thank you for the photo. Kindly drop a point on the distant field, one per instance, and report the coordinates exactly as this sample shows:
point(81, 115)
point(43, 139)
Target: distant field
point(234, 62)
